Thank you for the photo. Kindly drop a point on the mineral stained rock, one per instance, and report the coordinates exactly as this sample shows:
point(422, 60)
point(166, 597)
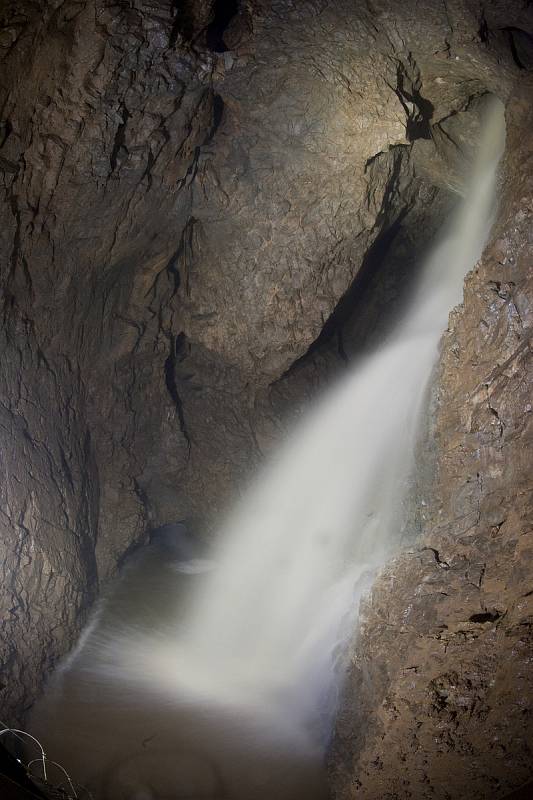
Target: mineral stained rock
point(193, 204)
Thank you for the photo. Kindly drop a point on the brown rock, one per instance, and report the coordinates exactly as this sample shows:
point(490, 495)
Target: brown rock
point(178, 222)
point(441, 675)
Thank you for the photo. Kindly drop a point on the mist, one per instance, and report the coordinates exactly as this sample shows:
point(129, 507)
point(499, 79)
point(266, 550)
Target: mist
point(218, 677)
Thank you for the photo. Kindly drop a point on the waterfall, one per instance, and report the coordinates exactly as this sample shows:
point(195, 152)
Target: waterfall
point(228, 690)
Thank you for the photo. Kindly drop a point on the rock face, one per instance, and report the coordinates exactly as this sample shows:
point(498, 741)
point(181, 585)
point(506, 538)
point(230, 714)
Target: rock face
point(439, 701)
point(101, 121)
point(206, 209)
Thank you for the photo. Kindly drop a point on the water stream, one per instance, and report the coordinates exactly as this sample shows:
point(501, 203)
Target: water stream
point(221, 683)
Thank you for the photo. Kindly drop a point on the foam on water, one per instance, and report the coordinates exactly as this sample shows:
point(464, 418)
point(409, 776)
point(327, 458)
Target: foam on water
point(238, 673)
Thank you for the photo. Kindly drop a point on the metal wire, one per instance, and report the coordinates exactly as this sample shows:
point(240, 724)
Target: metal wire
point(53, 792)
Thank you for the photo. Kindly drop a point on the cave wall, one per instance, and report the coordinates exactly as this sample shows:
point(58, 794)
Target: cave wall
point(49, 511)
point(439, 699)
point(101, 124)
point(188, 197)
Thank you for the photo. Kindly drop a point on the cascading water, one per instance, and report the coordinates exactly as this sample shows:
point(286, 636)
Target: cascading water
point(221, 683)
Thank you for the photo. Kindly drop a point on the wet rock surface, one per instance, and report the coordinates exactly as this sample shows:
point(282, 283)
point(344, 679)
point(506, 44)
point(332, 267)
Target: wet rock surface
point(439, 701)
point(100, 125)
point(193, 204)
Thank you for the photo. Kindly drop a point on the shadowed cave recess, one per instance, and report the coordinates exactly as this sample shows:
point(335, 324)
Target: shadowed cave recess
point(211, 213)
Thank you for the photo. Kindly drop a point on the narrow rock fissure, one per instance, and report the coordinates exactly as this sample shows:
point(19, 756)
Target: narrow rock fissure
point(224, 11)
point(484, 616)
point(172, 385)
point(120, 138)
point(521, 46)
point(177, 25)
point(418, 109)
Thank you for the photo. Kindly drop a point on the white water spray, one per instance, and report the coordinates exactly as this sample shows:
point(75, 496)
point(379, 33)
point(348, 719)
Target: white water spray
point(238, 694)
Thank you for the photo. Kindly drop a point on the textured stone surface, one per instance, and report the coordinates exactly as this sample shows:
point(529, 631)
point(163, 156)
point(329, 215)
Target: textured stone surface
point(186, 198)
point(48, 512)
point(101, 123)
point(439, 701)
point(295, 190)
